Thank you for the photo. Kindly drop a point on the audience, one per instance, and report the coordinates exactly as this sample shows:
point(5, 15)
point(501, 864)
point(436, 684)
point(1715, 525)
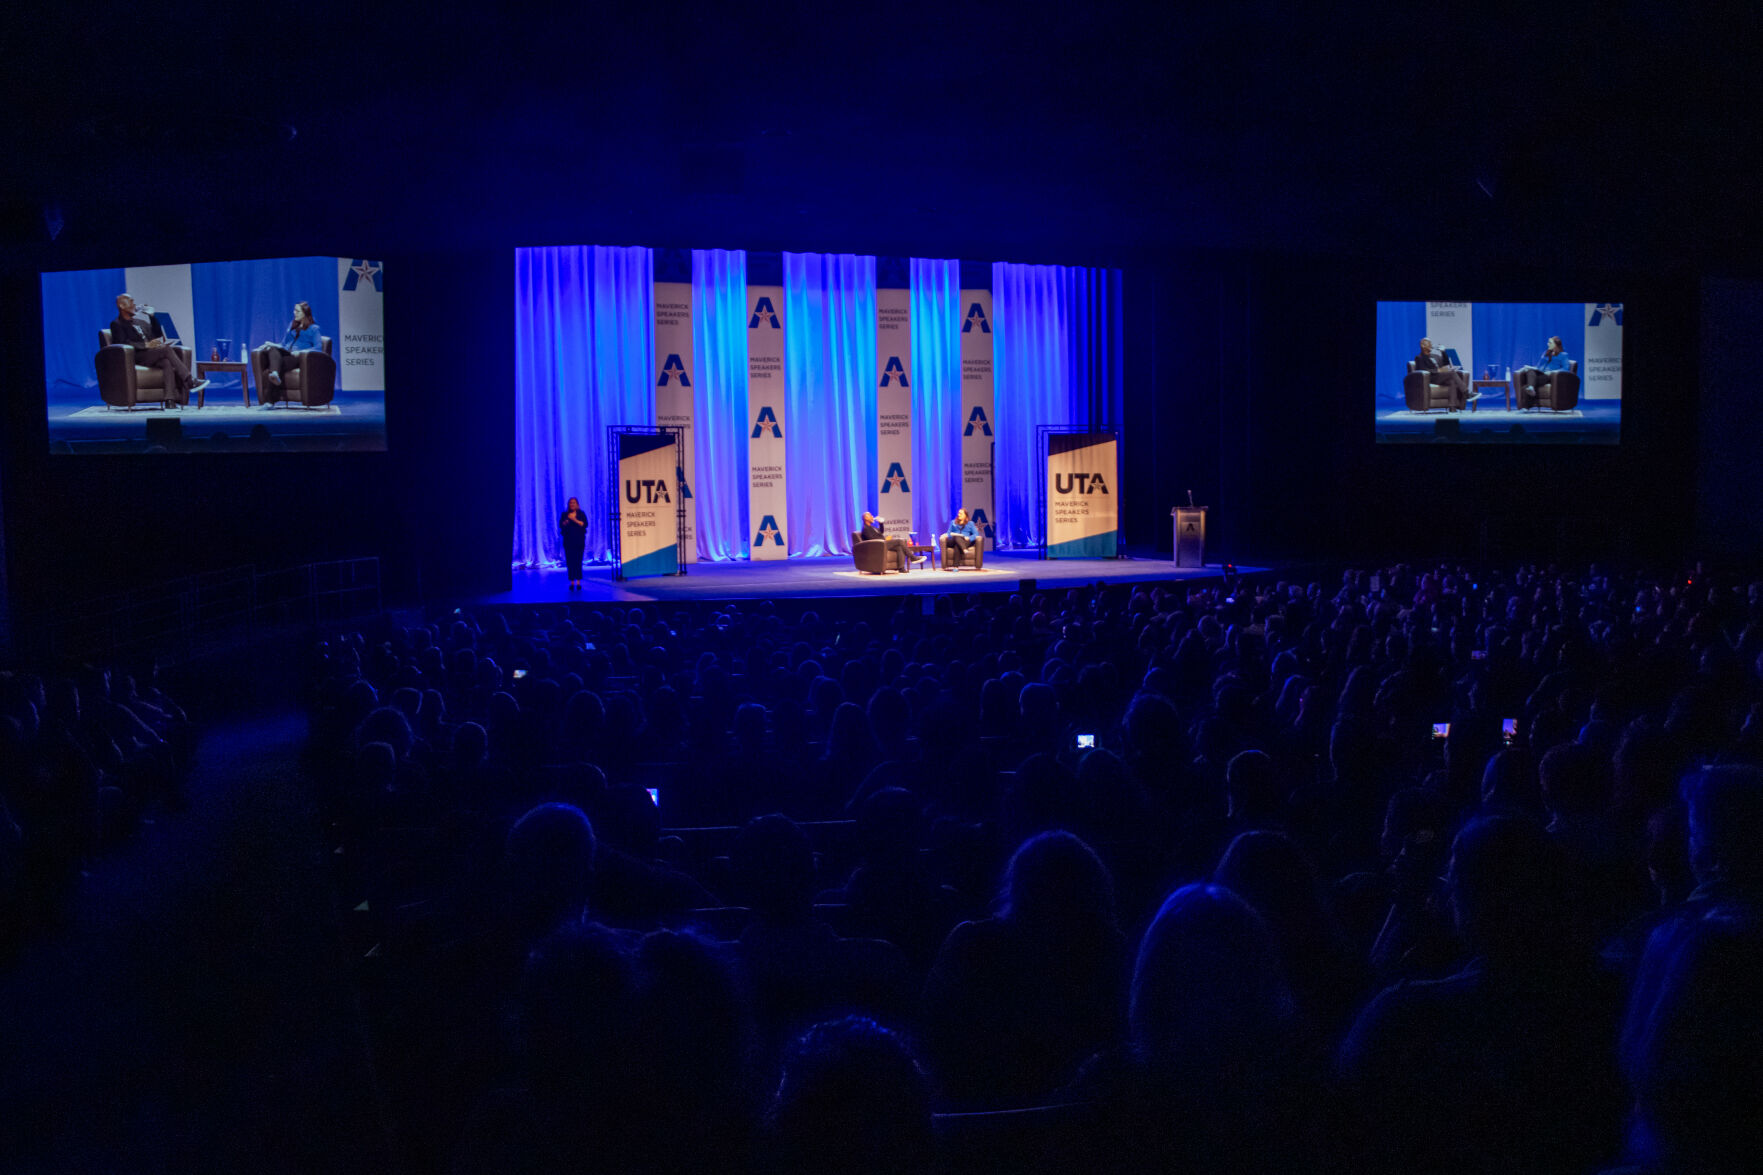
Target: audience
point(1390, 861)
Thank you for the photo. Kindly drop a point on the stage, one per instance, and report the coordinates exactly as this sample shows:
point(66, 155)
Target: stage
point(834, 577)
point(1595, 421)
point(354, 421)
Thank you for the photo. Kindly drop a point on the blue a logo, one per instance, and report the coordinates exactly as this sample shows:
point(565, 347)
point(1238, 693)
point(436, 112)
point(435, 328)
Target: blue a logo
point(768, 528)
point(896, 477)
point(362, 271)
point(977, 417)
point(895, 370)
point(985, 524)
point(650, 491)
point(763, 309)
point(1605, 310)
point(973, 313)
point(767, 419)
point(673, 364)
point(1079, 483)
point(685, 489)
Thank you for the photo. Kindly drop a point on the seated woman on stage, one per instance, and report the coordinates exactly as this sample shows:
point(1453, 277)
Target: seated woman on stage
point(1541, 373)
point(302, 335)
point(961, 536)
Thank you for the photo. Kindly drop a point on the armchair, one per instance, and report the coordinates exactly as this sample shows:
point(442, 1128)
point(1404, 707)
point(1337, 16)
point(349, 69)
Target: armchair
point(874, 557)
point(954, 559)
point(1423, 395)
point(1557, 391)
point(122, 383)
point(311, 381)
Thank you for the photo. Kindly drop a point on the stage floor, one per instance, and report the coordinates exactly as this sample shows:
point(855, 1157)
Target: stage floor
point(354, 420)
point(833, 576)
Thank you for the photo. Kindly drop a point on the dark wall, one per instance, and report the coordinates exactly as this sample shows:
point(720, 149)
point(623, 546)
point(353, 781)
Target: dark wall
point(436, 507)
point(1729, 490)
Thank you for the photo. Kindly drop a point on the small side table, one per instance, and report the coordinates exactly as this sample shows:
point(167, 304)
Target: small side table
point(917, 549)
point(241, 369)
point(1479, 384)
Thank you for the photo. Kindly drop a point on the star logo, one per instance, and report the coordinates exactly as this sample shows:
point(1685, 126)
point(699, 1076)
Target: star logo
point(363, 272)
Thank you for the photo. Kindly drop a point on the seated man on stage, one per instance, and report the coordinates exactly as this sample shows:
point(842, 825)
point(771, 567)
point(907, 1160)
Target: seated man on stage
point(875, 528)
point(962, 536)
point(142, 332)
point(1541, 374)
point(1442, 373)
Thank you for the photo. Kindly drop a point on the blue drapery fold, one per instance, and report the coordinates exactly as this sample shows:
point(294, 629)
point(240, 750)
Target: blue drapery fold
point(1056, 361)
point(1399, 327)
point(719, 336)
point(829, 393)
point(76, 306)
point(584, 359)
point(252, 302)
point(936, 397)
point(1517, 333)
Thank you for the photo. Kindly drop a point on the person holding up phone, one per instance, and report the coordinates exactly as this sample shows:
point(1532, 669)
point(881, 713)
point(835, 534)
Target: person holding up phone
point(574, 528)
point(302, 335)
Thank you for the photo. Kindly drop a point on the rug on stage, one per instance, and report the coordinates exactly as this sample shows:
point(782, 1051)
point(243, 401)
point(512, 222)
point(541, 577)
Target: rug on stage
point(1485, 416)
point(213, 413)
point(951, 576)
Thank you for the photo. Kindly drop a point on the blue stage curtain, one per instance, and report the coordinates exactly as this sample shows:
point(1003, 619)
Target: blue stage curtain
point(584, 359)
point(1057, 361)
point(252, 302)
point(1516, 333)
point(719, 336)
point(1399, 328)
point(936, 397)
point(829, 393)
point(77, 304)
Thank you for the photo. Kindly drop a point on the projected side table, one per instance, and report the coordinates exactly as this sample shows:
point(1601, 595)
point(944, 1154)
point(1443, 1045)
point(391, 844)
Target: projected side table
point(243, 370)
point(1479, 384)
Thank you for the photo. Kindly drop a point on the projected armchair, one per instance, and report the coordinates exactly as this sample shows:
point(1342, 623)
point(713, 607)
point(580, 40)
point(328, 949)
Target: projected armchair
point(1423, 395)
point(1558, 391)
point(312, 381)
point(874, 557)
point(123, 383)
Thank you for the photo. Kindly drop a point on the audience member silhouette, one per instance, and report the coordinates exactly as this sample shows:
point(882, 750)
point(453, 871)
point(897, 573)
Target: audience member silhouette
point(1506, 1065)
point(1017, 1002)
point(852, 1101)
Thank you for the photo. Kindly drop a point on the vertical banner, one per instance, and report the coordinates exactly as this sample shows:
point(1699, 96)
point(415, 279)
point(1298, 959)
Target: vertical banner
point(1600, 370)
point(1083, 513)
point(648, 517)
point(674, 383)
point(166, 288)
point(765, 408)
point(976, 412)
point(361, 323)
point(1451, 325)
point(893, 398)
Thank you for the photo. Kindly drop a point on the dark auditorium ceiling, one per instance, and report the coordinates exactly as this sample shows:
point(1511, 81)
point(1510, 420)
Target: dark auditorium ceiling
point(1617, 135)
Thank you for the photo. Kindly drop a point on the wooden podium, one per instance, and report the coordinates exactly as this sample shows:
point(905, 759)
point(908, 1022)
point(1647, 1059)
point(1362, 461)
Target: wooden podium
point(1190, 535)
